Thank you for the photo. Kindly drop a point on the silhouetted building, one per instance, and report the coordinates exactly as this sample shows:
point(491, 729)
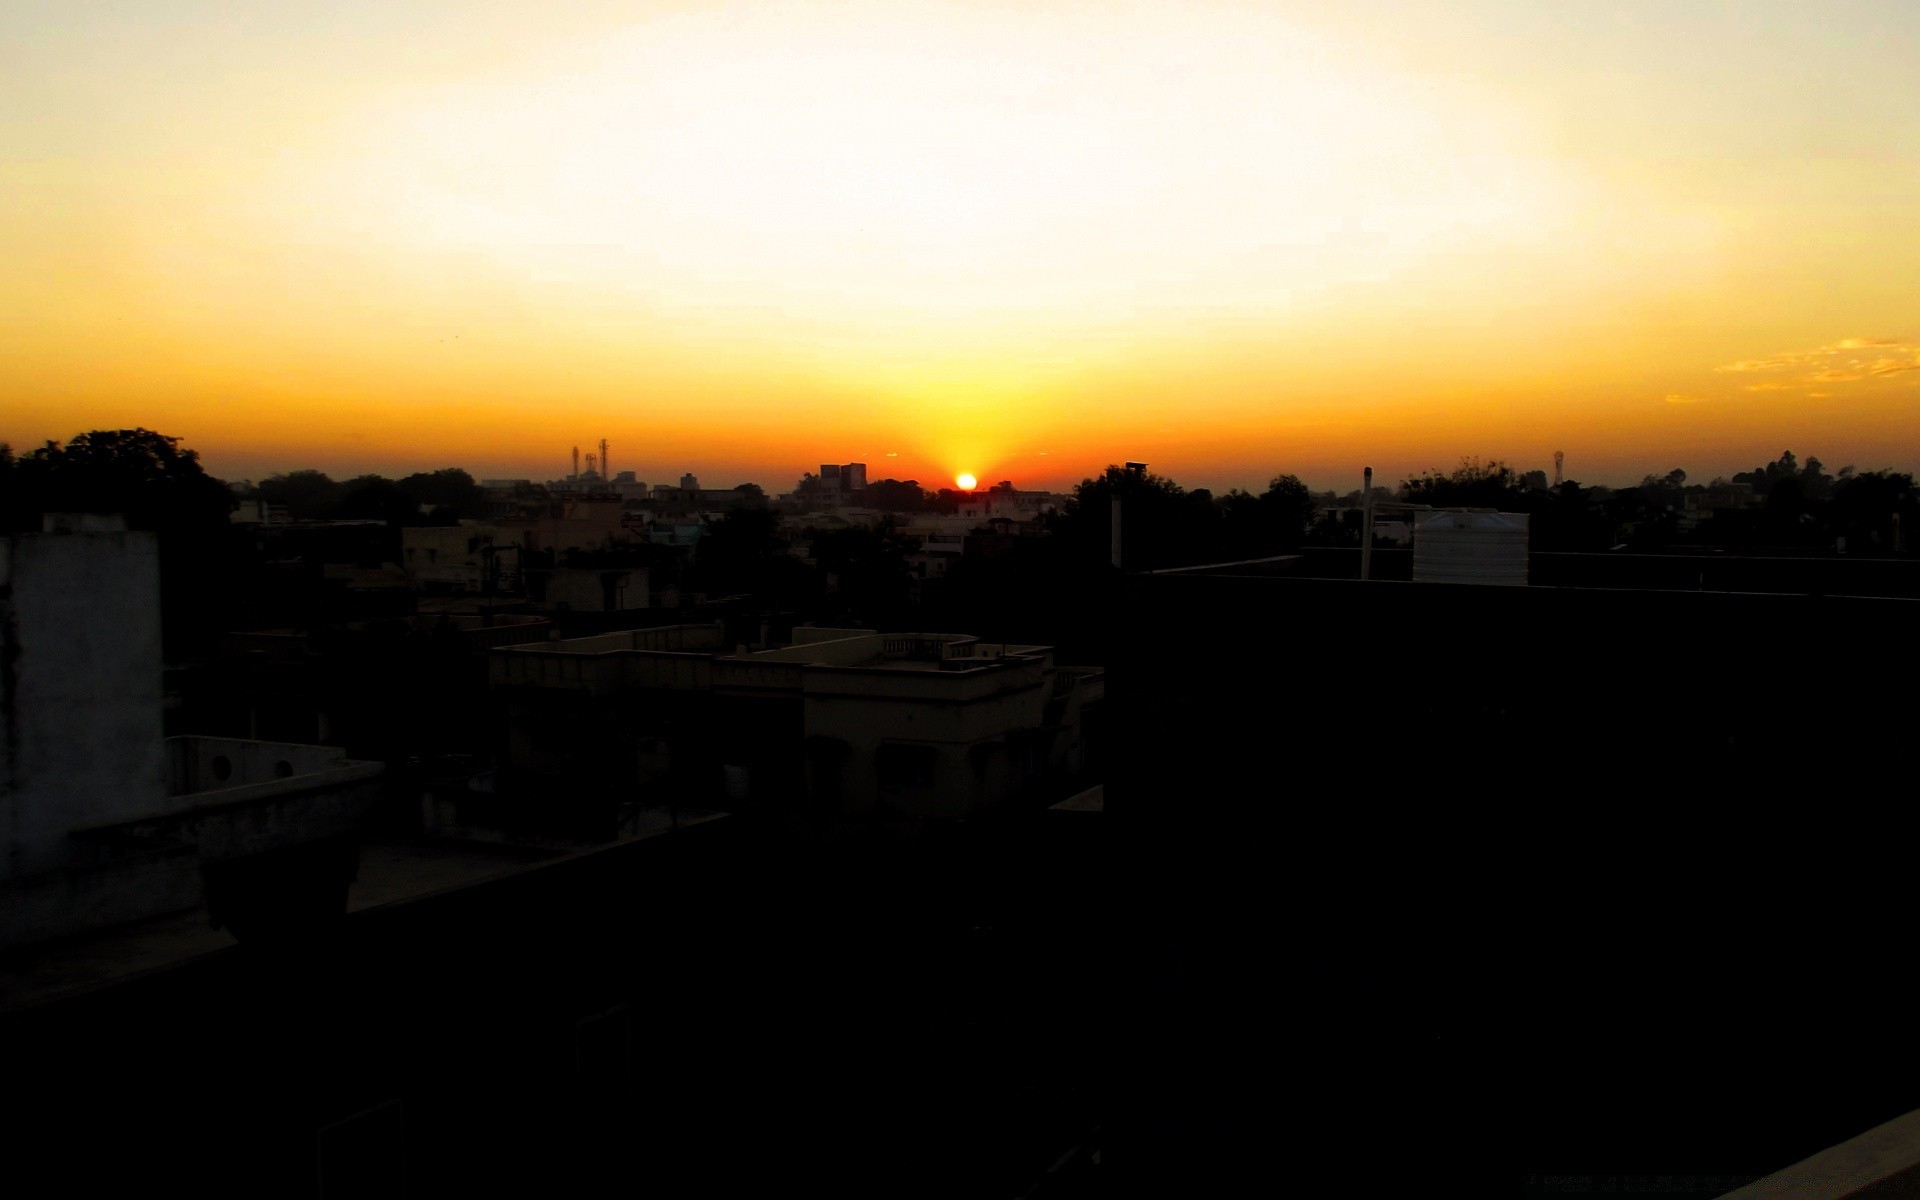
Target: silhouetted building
point(841, 483)
point(843, 722)
point(462, 558)
point(588, 589)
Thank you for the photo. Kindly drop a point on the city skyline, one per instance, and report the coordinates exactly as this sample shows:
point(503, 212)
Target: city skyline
point(940, 238)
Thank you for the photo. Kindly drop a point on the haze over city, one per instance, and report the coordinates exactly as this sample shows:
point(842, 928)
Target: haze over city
point(981, 238)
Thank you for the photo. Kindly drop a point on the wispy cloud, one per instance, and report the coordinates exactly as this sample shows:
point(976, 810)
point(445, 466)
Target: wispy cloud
point(1836, 362)
point(1681, 398)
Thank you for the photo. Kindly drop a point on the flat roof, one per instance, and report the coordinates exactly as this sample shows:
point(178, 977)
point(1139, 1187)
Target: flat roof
point(392, 871)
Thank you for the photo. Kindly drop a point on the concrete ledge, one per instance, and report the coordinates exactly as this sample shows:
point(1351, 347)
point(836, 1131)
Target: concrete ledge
point(1882, 1162)
point(1094, 799)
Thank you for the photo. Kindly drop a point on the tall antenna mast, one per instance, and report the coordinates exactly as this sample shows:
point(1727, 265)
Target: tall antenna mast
point(1559, 463)
point(606, 468)
point(576, 464)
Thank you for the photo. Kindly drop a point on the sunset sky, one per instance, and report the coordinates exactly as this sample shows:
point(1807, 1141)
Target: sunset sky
point(1021, 240)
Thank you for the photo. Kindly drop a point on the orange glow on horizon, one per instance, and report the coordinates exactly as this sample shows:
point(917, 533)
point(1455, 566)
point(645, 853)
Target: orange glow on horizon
point(741, 240)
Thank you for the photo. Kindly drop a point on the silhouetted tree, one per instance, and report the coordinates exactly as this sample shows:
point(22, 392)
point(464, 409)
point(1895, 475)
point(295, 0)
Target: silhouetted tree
point(1277, 519)
point(12, 498)
point(867, 575)
point(449, 494)
point(143, 475)
point(1874, 510)
point(1160, 526)
point(1287, 509)
point(1812, 480)
point(1472, 484)
point(1337, 528)
point(306, 495)
point(1569, 517)
point(374, 498)
point(157, 485)
point(734, 549)
point(1818, 484)
point(1788, 513)
point(1647, 517)
point(895, 495)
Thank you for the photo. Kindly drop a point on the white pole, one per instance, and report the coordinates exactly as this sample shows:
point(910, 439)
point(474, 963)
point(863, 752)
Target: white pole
point(1366, 524)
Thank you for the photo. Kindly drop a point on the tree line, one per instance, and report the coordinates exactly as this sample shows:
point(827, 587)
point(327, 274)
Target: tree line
point(1781, 505)
point(438, 497)
point(159, 484)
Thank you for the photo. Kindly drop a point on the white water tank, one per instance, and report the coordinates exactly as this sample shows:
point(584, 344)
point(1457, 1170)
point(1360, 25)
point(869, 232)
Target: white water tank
point(1455, 546)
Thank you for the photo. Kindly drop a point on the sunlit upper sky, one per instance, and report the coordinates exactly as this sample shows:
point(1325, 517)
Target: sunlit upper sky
point(1017, 240)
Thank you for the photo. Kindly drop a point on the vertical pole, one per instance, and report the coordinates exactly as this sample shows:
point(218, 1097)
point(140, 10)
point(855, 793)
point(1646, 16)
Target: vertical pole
point(1116, 528)
point(1366, 524)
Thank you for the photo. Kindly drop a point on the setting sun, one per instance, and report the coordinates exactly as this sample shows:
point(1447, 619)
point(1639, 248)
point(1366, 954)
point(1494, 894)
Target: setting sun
point(967, 482)
point(736, 239)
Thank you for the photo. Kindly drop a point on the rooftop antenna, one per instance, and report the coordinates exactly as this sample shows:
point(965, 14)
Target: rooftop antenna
point(1559, 463)
point(576, 464)
point(591, 462)
point(606, 471)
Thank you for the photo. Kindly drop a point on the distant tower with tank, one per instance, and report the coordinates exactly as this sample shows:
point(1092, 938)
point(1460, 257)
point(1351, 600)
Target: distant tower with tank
point(1559, 466)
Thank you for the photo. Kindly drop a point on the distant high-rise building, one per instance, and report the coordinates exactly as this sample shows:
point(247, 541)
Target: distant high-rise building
point(836, 479)
point(689, 483)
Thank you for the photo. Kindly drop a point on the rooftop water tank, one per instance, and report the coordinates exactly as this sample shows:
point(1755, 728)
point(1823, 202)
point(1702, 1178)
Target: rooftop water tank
point(1471, 547)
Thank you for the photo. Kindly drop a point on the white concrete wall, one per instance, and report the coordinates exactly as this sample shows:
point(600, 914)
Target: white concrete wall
point(80, 655)
point(207, 764)
point(843, 651)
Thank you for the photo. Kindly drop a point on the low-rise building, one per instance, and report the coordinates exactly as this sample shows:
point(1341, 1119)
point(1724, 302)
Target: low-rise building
point(843, 722)
point(469, 557)
point(589, 589)
point(103, 819)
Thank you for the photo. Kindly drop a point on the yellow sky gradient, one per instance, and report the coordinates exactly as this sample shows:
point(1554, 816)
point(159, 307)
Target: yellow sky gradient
point(1022, 241)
